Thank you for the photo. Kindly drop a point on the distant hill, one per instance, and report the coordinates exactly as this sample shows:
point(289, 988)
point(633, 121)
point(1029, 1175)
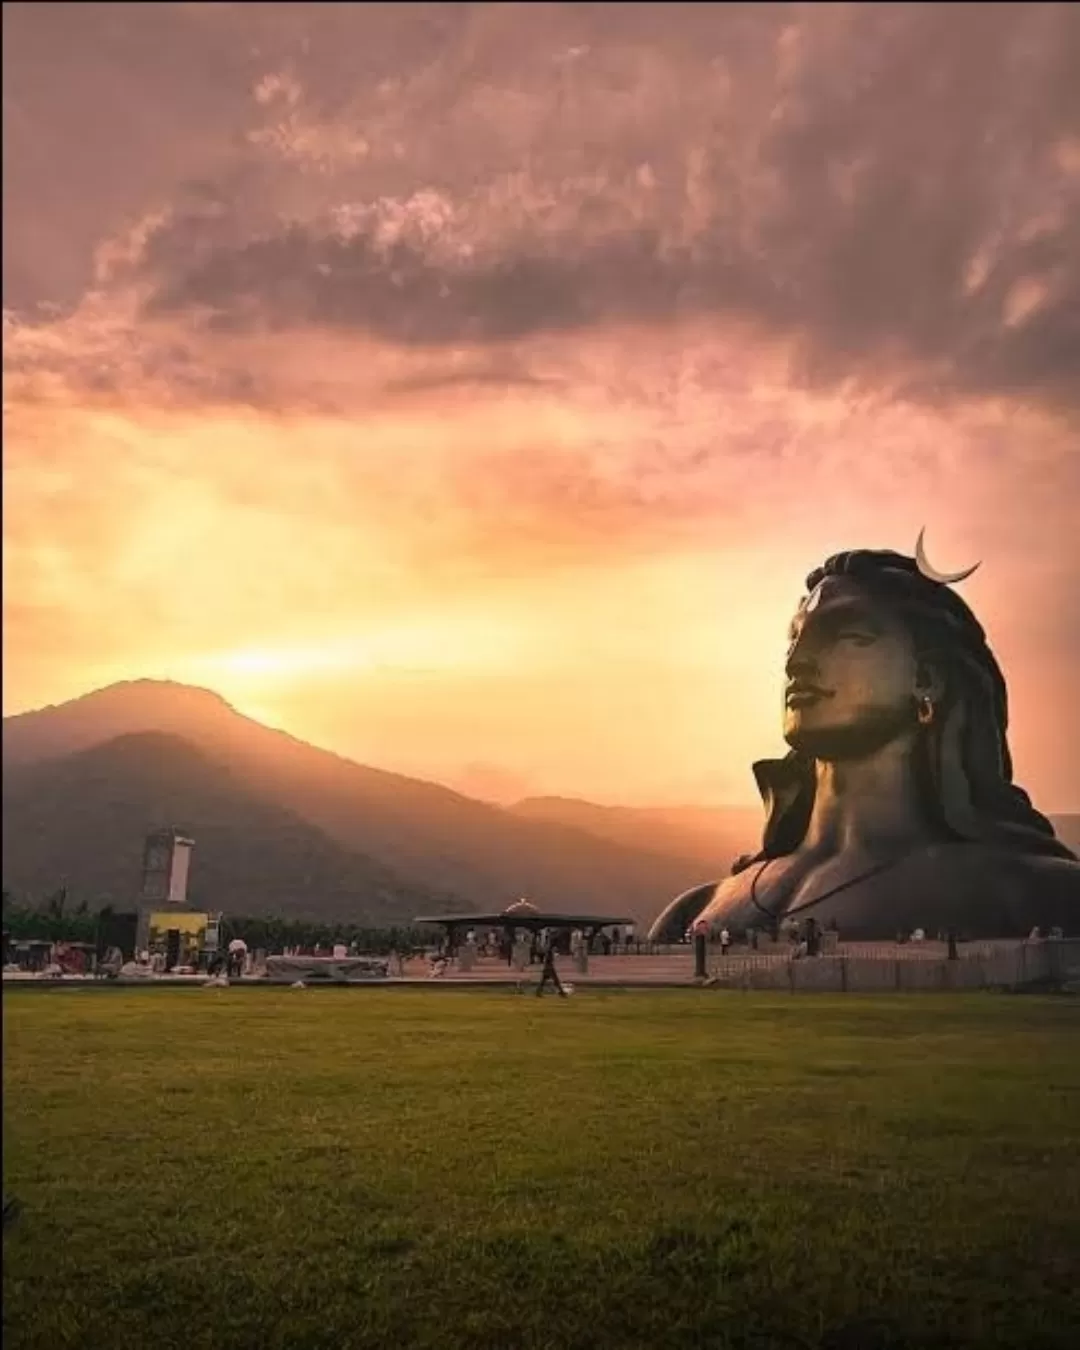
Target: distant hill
point(714, 836)
point(82, 818)
point(433, 838)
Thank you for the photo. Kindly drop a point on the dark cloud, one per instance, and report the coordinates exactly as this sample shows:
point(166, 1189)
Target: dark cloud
point(895, 186)
point(107, 107)
point(402, 294)
point(912, 202)
point(496, 375)
point(934, 181)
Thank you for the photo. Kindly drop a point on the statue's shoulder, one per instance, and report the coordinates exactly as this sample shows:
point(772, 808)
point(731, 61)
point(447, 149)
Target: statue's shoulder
point(1058, 876)
point(989, 864)
point(982, 885)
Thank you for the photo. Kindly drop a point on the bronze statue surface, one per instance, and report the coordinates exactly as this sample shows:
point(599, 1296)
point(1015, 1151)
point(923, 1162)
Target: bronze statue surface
point(895, 808)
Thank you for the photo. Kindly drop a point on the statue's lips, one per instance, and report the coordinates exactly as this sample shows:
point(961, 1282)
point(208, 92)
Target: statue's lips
point(805, 696)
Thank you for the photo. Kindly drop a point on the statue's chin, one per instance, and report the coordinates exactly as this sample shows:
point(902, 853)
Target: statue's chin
point(855, 740)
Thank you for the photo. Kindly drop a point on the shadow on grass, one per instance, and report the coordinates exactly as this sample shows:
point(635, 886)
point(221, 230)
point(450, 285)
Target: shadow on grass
point(735, 1285)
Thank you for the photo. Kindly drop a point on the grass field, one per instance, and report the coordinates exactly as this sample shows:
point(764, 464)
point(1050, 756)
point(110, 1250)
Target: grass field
point(390, 1168)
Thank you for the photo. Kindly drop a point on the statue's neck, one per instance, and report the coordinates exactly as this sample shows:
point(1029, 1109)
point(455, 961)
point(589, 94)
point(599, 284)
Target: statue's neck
point(869, 804)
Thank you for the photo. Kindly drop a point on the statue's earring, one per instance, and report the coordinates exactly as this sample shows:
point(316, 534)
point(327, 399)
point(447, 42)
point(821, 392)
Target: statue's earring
point(926, 711)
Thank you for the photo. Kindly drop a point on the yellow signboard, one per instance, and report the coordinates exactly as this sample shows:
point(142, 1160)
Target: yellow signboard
point(182, 921)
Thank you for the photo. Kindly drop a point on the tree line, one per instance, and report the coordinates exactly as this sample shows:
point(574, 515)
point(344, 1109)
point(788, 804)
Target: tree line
point(55, 920)
point(50, 921)
point(274, 935)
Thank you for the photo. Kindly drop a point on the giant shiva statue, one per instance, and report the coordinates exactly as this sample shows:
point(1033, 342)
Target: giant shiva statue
point(895, 808)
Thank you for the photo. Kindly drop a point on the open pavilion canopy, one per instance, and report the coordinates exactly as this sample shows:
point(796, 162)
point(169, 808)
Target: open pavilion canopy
point(523, 914)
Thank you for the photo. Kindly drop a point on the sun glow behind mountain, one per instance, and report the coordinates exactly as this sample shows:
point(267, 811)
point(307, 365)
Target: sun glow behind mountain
point(505, 436)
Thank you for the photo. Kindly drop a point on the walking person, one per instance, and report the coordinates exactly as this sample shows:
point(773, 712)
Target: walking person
point(699, 936)
point(725, 941)
point(548, 973)
point(238, 949)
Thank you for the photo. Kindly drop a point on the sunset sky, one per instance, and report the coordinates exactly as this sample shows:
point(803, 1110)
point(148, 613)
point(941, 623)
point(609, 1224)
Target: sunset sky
point(469, 388)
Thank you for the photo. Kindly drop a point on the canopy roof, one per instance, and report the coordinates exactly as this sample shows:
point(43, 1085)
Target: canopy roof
point(524, 915)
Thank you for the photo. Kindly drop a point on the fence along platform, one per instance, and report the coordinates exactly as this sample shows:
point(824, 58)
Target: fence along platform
point(884, 967)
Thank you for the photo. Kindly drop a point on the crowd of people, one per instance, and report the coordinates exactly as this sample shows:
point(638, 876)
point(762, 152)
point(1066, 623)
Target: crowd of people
point(809, 937)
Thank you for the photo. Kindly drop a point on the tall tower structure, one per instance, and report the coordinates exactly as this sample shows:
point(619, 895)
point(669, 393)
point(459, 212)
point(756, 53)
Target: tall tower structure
point(166, 864)
point(163, 894)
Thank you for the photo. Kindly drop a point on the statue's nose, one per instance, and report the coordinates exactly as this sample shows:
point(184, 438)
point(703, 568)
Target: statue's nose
point(801, 662)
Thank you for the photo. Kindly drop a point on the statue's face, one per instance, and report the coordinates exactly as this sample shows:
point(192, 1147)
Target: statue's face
point(851, 674)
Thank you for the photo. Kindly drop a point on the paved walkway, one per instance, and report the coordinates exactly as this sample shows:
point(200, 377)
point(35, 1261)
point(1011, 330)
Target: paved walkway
point(670, 970)
point(652, 971)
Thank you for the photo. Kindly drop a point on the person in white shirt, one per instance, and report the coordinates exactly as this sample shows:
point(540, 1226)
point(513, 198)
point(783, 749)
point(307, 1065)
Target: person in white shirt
point(237, 955)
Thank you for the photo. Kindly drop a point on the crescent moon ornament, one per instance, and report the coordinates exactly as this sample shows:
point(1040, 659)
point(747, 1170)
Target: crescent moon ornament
point(931, 573)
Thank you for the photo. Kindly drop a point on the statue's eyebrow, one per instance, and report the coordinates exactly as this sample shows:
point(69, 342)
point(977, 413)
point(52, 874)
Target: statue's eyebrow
point(851, 612)
point(834, 616)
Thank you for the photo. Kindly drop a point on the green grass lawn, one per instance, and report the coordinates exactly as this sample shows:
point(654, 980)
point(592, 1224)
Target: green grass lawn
point(395, 1169)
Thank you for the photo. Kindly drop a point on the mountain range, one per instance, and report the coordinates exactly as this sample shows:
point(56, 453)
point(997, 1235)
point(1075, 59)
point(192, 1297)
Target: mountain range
point(282, 827)
point(286, 828)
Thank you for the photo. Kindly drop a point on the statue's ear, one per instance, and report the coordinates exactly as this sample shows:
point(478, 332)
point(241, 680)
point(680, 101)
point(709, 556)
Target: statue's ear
point(930, 680)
